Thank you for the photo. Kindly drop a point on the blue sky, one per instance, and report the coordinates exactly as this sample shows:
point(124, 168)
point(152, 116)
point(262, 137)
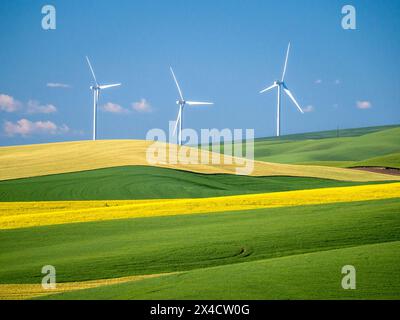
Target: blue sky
point(223, 51)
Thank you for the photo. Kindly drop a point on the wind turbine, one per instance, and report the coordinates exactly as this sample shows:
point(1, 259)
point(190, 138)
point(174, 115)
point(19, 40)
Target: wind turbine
point(281, 84)
point(182, 102)
point(96, 93)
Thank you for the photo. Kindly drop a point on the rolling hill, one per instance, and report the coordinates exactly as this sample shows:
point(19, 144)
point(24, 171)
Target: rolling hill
point(389, 161)
point(116, 227)
point(145, 182)
point(54, 158)
point(346, 151)
point(145, 246)
point(350, 132)
point(30, 214)
point(303, 276)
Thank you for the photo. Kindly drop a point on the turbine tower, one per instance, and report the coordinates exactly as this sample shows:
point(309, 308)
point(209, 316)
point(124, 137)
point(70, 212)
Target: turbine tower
point(282, 85)
point(96, 88)
point(182, 102)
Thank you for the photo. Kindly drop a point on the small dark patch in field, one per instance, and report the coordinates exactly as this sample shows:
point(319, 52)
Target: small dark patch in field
point(384, 170)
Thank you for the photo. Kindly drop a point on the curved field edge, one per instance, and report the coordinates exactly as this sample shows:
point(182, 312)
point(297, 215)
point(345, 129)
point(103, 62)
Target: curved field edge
point(23, 214)
point(54, 158)
point(144, 182)
point(120, 248)
point(314, 275)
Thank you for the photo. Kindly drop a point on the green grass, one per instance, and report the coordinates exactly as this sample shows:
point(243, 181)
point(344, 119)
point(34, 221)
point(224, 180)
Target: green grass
point(342, 150)
point(278, 253)
point(389, 161)
point(143, 182)
point(352, 132)
point(375, 146)
point(117, 248)
point(306, 276)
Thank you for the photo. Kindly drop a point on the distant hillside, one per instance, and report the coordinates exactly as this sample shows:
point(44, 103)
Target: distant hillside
point(353, 132)
point(358, 145)
point(390, 161)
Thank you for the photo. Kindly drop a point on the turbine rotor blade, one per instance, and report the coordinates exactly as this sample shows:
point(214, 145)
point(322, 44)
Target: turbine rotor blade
point(286, 61)
point(106, 86)
point(199, 103)
point(91, 69)
point(269, 88)
point(178, 119)
point(177, 84)
point(287, 91)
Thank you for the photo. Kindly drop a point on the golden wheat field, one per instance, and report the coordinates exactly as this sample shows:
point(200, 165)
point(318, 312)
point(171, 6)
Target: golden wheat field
point(27, 214)
point(54, 158)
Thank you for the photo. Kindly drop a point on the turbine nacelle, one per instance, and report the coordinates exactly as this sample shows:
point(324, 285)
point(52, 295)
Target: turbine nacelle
point(280, 84)
point(181, 103)
point(96, 93)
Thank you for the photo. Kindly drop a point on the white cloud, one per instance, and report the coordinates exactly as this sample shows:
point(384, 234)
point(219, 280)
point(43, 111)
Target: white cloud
point(114, 108)
point(25, 127)
point(308, 109)
point(318, 81)
point(8, 103)
point(337, 82)
point(364, 105)
point(34, 106)
point(57, 85)
point(142, 106)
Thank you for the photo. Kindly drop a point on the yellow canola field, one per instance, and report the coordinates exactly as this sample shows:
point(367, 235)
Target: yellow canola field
point(29, 291)
point(30, 214)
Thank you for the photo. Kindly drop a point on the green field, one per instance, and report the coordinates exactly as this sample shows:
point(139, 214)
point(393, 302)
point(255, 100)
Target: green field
point(351, 132)
point(275, 253)
point(305, 276)
point(391, 161)
point(119, 248)
point(371, 146)
point(143, 182)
